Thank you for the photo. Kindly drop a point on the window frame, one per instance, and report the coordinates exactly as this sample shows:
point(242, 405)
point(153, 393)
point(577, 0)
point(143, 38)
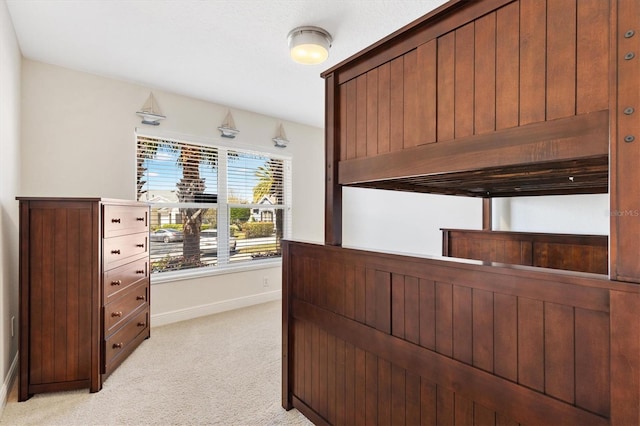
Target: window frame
point(222, 205)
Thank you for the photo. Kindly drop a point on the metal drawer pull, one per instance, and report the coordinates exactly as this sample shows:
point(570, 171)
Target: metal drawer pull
point(140, 219)
point(142, 324)
point(115, 251)
point(140, 245)
point(117, 282)
point(140, 297)
point(116, 314)
point(139, 271)
point(116, 220)
point(117, 345)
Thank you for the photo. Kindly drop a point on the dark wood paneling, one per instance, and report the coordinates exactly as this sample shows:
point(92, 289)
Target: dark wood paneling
point(483, 329)
point(411, 131)
point(462, 324)
point(585, 253)
point(532, 61)
point(372, 112)
point(559, 352)
point(446, 87)
point(396, 104)
point(361, 116)
point(383, 107)
point(561, 59)
point(427, 92)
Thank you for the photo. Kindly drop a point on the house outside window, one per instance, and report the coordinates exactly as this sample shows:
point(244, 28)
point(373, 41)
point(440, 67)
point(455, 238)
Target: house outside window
point(212, 207)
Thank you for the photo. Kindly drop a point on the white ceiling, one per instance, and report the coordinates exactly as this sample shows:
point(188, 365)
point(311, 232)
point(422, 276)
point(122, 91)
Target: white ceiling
point(229, 52)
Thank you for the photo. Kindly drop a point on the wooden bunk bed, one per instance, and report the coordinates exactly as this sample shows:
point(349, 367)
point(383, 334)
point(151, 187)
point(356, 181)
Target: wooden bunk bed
point(488, 98)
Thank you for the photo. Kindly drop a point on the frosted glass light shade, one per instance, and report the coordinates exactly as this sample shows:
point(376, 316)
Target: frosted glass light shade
point(309, 45)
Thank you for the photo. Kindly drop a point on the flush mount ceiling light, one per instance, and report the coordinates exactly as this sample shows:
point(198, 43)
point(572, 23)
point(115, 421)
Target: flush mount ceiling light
point(309, 45)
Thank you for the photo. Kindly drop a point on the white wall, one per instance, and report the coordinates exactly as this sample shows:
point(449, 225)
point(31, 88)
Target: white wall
point(571, 214)
point(10, 60)
point(78, 140)
point(404, 222)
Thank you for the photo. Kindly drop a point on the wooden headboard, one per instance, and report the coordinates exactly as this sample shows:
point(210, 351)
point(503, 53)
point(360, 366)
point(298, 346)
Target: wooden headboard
point(483, 98)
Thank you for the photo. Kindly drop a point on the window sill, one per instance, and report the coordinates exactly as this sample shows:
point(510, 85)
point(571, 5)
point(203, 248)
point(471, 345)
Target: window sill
point(167, 277)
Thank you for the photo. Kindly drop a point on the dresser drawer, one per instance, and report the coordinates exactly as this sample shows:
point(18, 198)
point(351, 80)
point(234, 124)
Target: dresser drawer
point(118, 251)
point(122, 220)
point(118, 280)
point(119, 311)
point(119, 342)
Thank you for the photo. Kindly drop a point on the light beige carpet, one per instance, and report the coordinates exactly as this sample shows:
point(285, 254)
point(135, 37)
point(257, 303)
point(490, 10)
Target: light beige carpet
point(223, 369)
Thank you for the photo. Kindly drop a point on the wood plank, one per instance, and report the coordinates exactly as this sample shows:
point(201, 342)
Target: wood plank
point(559, 361)
point(360, 294)
point(351, 122)
point(532, 61)
point(396, 106)
point(561, 58)
point(444, 318)
point(384, 105)
point(398, 395)
point(506, 336)
point(360, 389)
point(87, 268)
point(335, 135)
point(315, 366)
point(428, 402)
point(322, 400)
point(462, 324)
point(383, 301)
point(370, 297)
point(361, 116)
point(592, 55)
point(427, 89)
point(341, 375)
point(412, 399)
point(446, 87)
point(464, 79)
point(427, 314)
point(485, 74)
point(343, 122)
point(349, 291)
point(483, 416)
point(384, 392)
point(308, 363)
point(483, 329)
point(412, 309)
point(371, 397)
point(592, 361)
point(531, 343)
point(350, 384)
point(445, 403)
point(507, 66)
point(463, 410)
point(397, 305)
point(372, 112)
point(411, 105)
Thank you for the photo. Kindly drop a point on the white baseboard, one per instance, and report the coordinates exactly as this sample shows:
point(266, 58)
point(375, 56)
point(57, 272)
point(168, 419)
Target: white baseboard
point(213, 308)
point(8, 381)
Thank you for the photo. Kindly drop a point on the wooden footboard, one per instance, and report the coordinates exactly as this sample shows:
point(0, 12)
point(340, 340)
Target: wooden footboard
point(371, 338)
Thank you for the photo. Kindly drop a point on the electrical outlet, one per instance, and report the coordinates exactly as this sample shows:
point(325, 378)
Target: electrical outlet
point(13, 326)
point(265, 282)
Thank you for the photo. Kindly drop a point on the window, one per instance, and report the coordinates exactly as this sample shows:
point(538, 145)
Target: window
point(212, 207)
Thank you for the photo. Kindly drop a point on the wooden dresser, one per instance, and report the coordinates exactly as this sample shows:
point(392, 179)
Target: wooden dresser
point(84, 290)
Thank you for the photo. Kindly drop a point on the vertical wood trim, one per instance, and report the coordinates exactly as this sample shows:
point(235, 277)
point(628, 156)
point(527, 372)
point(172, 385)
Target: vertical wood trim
point(532, 61)
point(24, 295)
point(487, 214)
point(333, 143)
point(446, 88)
point(444, 318)
point(592, 361)
point(624, 171)
point(427, 101)
point(462, 324)
point(506, 336)
point(507, 66)
point(592, 48)
point(372, 112)
point(483, 329)
point(561, 59)
point(625, 358)
point(531, 343)
point(396, 107)
point(288, 340)
point(361, 116)
point(411, 122)
point(464, 79)
point(485, 74)
point(559, 341)
point(427, 314)
point(384, 106)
